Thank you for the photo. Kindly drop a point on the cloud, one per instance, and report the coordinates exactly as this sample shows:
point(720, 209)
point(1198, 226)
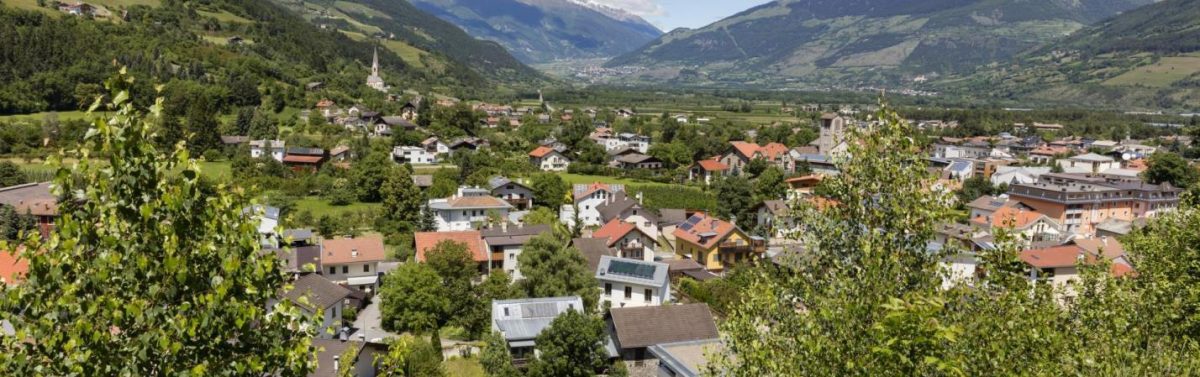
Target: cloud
point(641, 8)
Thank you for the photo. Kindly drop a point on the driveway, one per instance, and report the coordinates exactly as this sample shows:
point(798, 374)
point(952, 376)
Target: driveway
point(368, 323)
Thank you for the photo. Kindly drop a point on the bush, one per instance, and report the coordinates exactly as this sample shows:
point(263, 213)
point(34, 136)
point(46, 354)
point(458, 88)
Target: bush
point(212, 155)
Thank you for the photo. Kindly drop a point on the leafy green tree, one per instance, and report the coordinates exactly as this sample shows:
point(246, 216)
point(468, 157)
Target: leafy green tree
point(549, 190)
point(445, 183)
point(410, 356)
point(149, 273)
point(734, 198)
point(456, 267)
point(476, 319)
point(975, 187)
point(541, 216)
point(570, 346)
point(347, 364)
point(402, 200)
point(340, 193)
point(755, 167)
point(550, 269)
point(11, 174)
point(368, 174)
point(413, 299)
point(13, 223)
point(263, 126)
point(1169, 167)
point(769, 185)
point(496, 360)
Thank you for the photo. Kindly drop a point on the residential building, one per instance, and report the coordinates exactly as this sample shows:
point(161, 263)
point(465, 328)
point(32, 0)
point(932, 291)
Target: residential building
point(816, 163)
point(436, 146)
point(802, 187)
point(504, 245)
point(636, 142)
point(741, 153)
point(635, 329)
point(468, 208)
point(588, 198)
point(268, 220)
point(330, 362)
point(1079, 203)
point(469, 143)
point(274, 149)
point(620, 206)
point(513, 192)
point(385, 126)
point(1009, 175)
point(630, 282)
point(1090, 163)
point(353, 262)
point(340, 153)
point(34, 199)
point(629, 240)
point(685, 359)
point(413, 155)
point(774, 217)
point(716, 244)
point(471, 239)
point(592, 249)
point(304, 158)
point(520, 321)
point(1058, 265)
point(1030, 226)
point(637, 161)
point(324, 297)
point(707, 170)
point(548, 159)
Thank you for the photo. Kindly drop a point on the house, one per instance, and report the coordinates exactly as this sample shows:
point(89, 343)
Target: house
point(1090, 163)
point(592, 249)
point(774, 217)
point(1079, 203)
point(625, 113)
point(802, 187)
point(506, 242)
point(685, 359)
point(385, 125)
point(272, 148)
point(816, 163)
point(588, 198)
point(635, 329)
point(34, 199)
point(960, 169)
point(267, 217)
point(543, 118)
point(549, 159)
point(716, 244)
point(304, 158)
point(340, 153)
point(832, 135)
point(324, 297)
point(513, 192)
point(707, 170)
point(329, 357)
point(986, 205)
point(1031, 226)
point(409, 110)
point(470, 143)
point(234, 140)
point(298, 251)
point(467, 208)
point(1044, 155)
point(627, 140)
point(629, 240)
point(471, 239)
point(13, 267)
point(631, 282)
point(520, 321)
point(680, 268)
point(328, 109)
point(741, 153)
point(413, 155)
point(620, 206)
point(435, 146)
point(1008, 175)
point(1058, 265)
point(353, 261)
point(637, 161)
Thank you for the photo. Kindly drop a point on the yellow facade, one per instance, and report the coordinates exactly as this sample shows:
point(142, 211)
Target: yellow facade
point(712, 258)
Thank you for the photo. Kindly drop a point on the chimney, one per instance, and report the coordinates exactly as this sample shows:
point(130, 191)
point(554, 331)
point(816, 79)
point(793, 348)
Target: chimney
point(639, 197)
point(336, 361)
point(504, 226)
point(354, 253)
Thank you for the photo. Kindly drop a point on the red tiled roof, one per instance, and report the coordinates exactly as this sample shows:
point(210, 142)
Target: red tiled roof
point(12, 267)
point(301, 159)
point(541, 151)
point(324, 103)
point(614, 230)
point(1121, 270)
point(350, 250)
point(705, 224)
point(1005, 217)
point(712, 165)
point(1051, 257)
point(473, 239)
point(744, 148)
point(772, 151)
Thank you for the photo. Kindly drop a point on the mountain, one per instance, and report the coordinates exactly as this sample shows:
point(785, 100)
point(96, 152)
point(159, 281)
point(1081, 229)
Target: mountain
point(849, 42)
point(539, 31)
point(1145, 58)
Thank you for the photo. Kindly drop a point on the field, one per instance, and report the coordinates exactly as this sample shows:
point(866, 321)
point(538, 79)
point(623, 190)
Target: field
point(318, 206)
point(1159, 75)
point(577, 178)
point(460, 367)
point(224, 16)
point(62, 115)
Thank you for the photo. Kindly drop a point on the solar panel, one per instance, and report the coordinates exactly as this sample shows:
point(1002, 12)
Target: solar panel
point(693, 220)
point(631, 269)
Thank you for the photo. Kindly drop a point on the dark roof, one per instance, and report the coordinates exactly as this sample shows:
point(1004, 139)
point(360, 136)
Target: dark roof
point(497, 181)
point(296, 257)
point(396, 121)
point(593, 249)
point(619, 203)
point(306, 151)
point(234, 139)
point(671, 216)
point(649, 325)
point(30, 198)
point(513, 235)
point(681, 265)
point(637, 158)
point(321, 292)
point(303, 234)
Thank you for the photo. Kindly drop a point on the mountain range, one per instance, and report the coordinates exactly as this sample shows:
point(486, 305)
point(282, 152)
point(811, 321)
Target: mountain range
point(852, 42)
point(540, 31)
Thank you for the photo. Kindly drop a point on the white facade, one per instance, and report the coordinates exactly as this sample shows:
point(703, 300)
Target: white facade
point(413, 155)
point(626, 140)
point(1090, 163)
point(1017, 174)
point(275, 148)
point(619, 290)
point(552, 161)
point(466, 208)
point(587, 207)
point(361, 275)
point(960, 269)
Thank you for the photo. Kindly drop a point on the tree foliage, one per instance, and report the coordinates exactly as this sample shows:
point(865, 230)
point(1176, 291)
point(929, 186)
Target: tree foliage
point(410, 356)
point(496, 360)
point(1171, 168)
point(551, 268)
point(414, 299)
point(571, 346)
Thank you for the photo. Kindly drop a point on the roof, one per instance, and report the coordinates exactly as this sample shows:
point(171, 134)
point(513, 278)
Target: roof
point(633, 271)
point(12, 267)
point(1006, 217)
point(297, 257)
point(228, 139)
point(772, 151)
point(299, 234)
point(1052, 257)
point(468, 202)
point(321, 292)
point(398, 121)
point(349, 250)
point(302, 159)
point(649, 325)
point(339, 150)
point(614, 230)
point(672, 216)
point(581, 191)
point(473, 239)
point(422, 180)
point(680, 265)
point(692, 229)
point(512, 235)
point(1092, 157)
point(618, 203)
point(776, 207)
point(1111, 247)
point(593, 249)
point(496, 182)
point(636, 158)
point(712, 165)
point(745, 149)
point(306, 151)
point(527, 317)
point(541, 152)
point(30, 198)
point(687, 358)
point(267, 211)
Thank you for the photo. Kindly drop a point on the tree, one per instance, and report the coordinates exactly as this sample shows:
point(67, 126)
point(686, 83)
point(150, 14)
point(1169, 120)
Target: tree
point(410, 356)
point(148, 272)
point(1169, 167)
point(340, 193)
point(402, 200)
point(11, 175)
point(456, 267)
point(263, 126)
point(428, 221)
point(769, 185)
point(495, 357)
point(549, 190)
point(975, 187)
point(476, 319)
point(734, 198)
point(413, 299)
point(541, 216)
point(369, 173)
point(552, 269)
point(347, 362)
point(13, 223)
point(571, 346)
point(445, 183)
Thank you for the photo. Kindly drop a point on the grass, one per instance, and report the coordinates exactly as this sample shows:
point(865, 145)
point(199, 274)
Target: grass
point(579, 178)
point(221, 170)
point(225, 16)
point(411, 55)
point(318, 207)
point(460, 367)
point(1159, 75)
point(62, 115)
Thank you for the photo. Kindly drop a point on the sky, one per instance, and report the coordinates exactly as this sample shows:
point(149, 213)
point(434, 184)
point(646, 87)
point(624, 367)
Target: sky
point(670, 14)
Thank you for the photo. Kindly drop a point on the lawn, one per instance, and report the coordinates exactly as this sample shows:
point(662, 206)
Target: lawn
point(460, 367)
point(220, 170)
point(225, 16)
point(579, 178)
point(1159, 75)
point(62, 115)
point(318, 206)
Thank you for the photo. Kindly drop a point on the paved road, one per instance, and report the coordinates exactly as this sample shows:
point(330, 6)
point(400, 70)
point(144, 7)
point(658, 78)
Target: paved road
point(368, 323)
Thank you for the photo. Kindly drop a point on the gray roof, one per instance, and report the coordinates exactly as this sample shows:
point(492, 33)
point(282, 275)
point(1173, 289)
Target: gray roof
point(423, 180)
point(960, 166)
point(686, 358)
point(396, 121)
point(671, 216)
point(580, 188)
point(632, 271)
point(295, 258)
point(527, 317)
point(1092, 157)
point(497, 181)
point(306, 151)
point(267, 211)
point(321, 292)
point(619, 203)
point(635, 158)
point(592, 249)
point(302, 234)
point(514, 235)
point(645, 326)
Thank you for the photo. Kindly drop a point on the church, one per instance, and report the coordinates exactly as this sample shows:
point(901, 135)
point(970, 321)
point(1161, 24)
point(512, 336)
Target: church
point(374, 81)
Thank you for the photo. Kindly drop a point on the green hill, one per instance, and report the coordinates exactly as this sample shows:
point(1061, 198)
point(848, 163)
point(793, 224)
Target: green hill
point(853, 42)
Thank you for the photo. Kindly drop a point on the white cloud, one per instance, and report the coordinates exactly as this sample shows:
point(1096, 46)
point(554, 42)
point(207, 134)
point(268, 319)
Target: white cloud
point(641, 8)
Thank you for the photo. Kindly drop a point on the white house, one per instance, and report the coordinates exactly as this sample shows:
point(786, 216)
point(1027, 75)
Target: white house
point(413, 155)
point(627, 140)
point(513, 192)
point(627, 240)
point(1010, 175)
point(436, 146)
point(549, 159)
point(1090, 163)
point(353, 262)
point(324, 296)
point(274, 148)
point(632, 283)
point(588, 199)
point(507, 242)
point(620, 206)
point(468, 207)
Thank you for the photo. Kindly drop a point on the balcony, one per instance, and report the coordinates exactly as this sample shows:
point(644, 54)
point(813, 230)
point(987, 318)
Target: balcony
point(520, 203)
point(754, 246)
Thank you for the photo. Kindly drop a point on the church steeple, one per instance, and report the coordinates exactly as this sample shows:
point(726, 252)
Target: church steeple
point(375, 63)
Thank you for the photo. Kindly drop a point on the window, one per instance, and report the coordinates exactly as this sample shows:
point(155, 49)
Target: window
point(628, 292)
point(345, 269)
point(332, 270)
point(366, 268)
point(506, 311)
point(608, 289)
point(512, 255)
point(648, 295)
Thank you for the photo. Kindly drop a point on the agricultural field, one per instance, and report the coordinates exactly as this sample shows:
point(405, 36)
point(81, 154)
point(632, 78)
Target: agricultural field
point(1159, 75)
